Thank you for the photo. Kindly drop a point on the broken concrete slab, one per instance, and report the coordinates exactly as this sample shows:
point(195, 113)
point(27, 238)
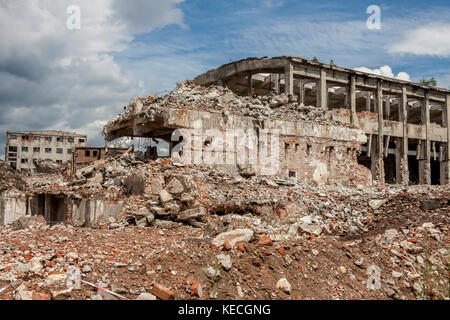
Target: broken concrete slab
point(233, 237)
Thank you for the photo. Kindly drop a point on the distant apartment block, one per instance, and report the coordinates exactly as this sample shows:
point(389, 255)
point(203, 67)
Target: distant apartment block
point(24, 147)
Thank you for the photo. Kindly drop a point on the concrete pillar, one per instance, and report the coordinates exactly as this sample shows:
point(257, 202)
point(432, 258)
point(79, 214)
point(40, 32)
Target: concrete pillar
point(445, 162)
point(398, 160)
point(250, 85)
point(301, 95)
point(352, 98)
point(425, 159)
point(47, 208)
point(276, 82)
point(368, 94)
point(379, 173)
point(403, 143)
point(322, 90)
point(289, 78)
point(387, 110)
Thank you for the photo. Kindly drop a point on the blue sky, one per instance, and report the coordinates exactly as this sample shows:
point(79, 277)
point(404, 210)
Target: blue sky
point(77, 80)
point(213, 32)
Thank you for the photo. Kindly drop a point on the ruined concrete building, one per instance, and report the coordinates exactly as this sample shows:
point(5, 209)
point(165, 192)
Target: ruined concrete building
point(23, 148)
point(362, 129)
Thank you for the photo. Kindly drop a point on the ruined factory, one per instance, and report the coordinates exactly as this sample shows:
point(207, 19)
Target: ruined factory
point(282, 163)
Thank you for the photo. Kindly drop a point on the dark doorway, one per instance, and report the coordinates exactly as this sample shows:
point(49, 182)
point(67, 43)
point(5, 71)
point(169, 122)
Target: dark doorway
point(435, 172)
point(389, 169)
point(413, 166)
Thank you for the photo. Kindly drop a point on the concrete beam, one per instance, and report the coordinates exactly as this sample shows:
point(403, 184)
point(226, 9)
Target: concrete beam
point(445, 162)
point(276, 79)
point(289, 79)
point(425, 159)
point(352, 95)
point(379, 173)
point(322, 92)
point(402, 161)
point(301, 89)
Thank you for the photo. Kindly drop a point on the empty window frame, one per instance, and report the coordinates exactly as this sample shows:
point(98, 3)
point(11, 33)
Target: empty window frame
point(59, 150)
point(36, 149)
point(48, 150)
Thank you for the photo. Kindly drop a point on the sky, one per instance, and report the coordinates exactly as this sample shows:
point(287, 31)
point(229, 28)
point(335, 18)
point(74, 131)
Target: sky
point(77, 79)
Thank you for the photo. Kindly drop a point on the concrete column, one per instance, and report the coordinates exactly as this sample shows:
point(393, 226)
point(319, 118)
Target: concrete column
point(276, 78)
point(379, 173)
point(403, 168)
point(387, 108)
point(368, 94)
point(445, 162)
point(398, 160)
point(301, 96)
point(322, 88)
point(250, 85)
point(289, 78)
point(425, 159)
point(352, 98)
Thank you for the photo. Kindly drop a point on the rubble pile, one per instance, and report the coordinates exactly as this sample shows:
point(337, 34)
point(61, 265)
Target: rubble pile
point(214, 98)
point(136, 229)
point(184, 228)
point(49, 166)
point(9, 179)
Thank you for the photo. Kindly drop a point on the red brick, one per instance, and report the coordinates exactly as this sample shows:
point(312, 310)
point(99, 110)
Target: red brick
point(227, 246)
point(196, 290)
point(241, 247)
point(162, 292)
point(265, 241)
point(282, 251)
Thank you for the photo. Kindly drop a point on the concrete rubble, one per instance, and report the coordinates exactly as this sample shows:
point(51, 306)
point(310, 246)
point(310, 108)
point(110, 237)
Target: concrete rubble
point(162, 230)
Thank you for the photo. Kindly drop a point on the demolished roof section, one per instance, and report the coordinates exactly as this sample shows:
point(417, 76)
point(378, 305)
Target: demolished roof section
point(149, 117)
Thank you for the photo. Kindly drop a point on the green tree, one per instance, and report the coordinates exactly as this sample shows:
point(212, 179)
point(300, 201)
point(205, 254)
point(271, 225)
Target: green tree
point(332, 62)
point(428, 82)
point(315, 59)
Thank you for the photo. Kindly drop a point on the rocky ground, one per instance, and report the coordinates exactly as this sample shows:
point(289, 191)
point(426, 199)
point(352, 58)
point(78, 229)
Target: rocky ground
point(218, 235)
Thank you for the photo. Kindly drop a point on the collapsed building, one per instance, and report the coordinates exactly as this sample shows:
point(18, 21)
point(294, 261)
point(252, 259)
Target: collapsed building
point(330, 126)
point(321, 220)
point(397, 129)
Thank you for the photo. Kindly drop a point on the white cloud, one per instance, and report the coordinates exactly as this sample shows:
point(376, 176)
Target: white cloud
point(385, 71)
point(432, 39)
point(56, 78)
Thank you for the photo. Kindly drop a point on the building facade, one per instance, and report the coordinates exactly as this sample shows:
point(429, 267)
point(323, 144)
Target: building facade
point(407, 124)
point(24, 147)
point(83, 156)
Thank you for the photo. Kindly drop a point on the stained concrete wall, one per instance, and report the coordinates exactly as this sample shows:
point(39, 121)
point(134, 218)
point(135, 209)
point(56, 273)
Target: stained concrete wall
point(13, 205)
point(88, 212)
